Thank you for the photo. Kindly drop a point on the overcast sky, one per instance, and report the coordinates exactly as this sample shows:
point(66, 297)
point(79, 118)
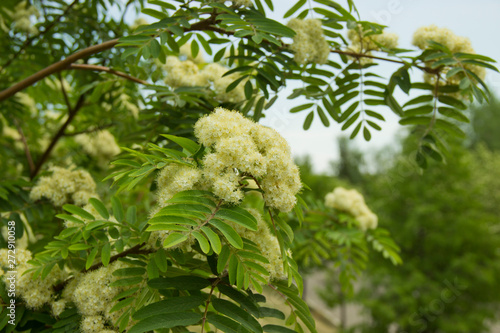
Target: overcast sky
point(477, 20)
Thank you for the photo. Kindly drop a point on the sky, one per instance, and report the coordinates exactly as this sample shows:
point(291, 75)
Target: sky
point(478, 20)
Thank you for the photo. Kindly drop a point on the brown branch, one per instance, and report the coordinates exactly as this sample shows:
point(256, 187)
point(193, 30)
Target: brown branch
point(25, 145)
point(41, 34)
point(63, 90)
point(71, 114)
point(107, 70)
point(133, 250)
point(54, 68)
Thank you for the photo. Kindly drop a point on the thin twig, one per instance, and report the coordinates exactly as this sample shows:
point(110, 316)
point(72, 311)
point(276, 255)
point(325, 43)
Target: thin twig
point(25, 145)
point(133, 250)
point(71, 114)
point(63, 90)
point(107, 70)
point(54, 68)
point(204, 319)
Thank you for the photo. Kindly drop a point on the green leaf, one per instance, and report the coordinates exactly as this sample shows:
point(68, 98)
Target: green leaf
point(231, 235)
point(174, 239)
point(170, 305)
point(239, 216)
point(246, 302)
point(166, 320)
point(213, 238)
point(132, 215)
point(167, 226)
point(183, 282)
point(450, 128)
point(106, 254)
point(78, 211)
point(91, 257)
point(223, 258)
point(473, 56)
point(79, 247)
point(99, 206)
point(225, 324)
point(309, 120)
point(415, 121)
point(233, 311)
point(277, 329)
point(118, 212)
point(70, 218)
point(322, 116)
point(187, 144)
point(202, 241)
point(123, 303)
point(295, 8)
point(129, 271)
point(248, 89)
point(165, 219)
point(366, 134)
point(452, 102)
point(160, 257)
point(271, 312)
point(453, 113)
point(301, 107)
point(195, 48)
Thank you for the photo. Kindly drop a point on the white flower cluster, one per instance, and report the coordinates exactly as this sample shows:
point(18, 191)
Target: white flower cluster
point(65, 186)
point(309, 43)
point(455, 43)
point(34, 292)
point(364, 42)
point(240, 147)
point(21, 15)
point(242, 3)
point(187, 74)
point(93, 296)
point(352, 202)
point(100, 145)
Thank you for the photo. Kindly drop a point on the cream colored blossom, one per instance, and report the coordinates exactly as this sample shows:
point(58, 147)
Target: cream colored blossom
point(240, 147)
point(34, 292)
point(65, 186)
point(352, 202)
point(364, 42)
point(183, 73)
point(100, 145)
point(58, 307)
point(309, 43)
point(214, 75)
point(455, 43)
point(93, 293)
point(92, 324)
point(243, 3)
